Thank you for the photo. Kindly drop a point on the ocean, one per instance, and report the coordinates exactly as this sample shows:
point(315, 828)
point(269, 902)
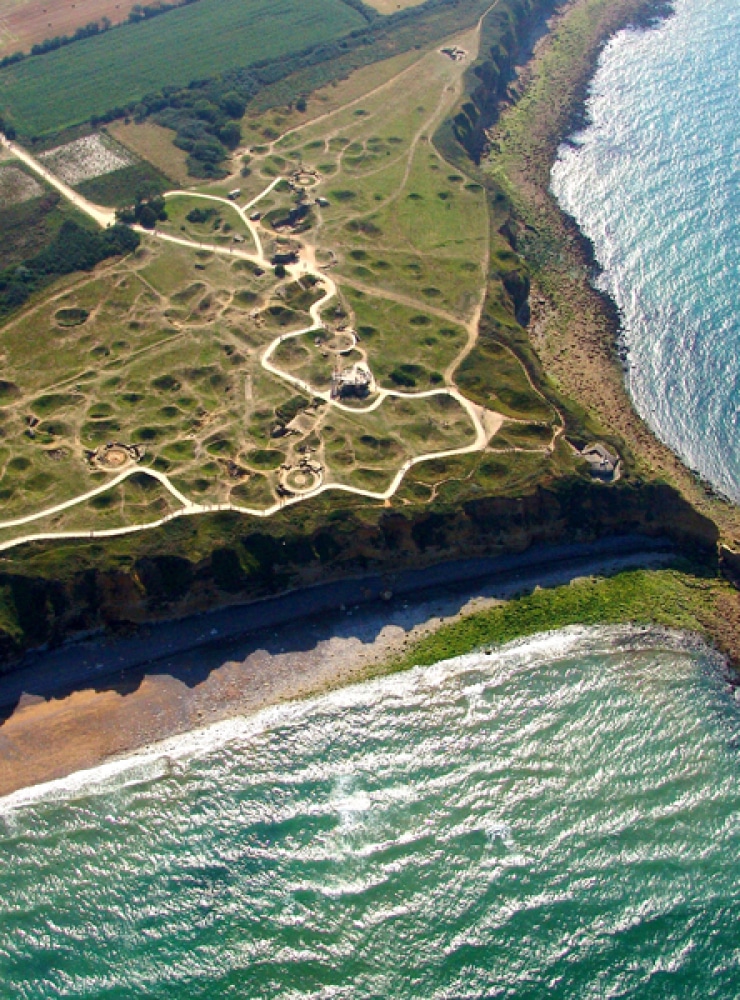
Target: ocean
point(654, 182)
point(558, 818)
point(555, 819)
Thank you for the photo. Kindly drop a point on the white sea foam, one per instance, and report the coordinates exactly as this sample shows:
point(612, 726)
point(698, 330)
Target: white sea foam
point(162, 758)
point(653, 183)
point(387, 841)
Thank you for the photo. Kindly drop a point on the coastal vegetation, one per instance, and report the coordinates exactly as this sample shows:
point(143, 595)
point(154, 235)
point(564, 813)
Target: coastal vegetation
point(573, 327)
point(672, 598)
point(367, 225)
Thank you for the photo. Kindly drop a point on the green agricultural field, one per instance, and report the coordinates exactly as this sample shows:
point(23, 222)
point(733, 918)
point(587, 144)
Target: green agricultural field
point(48, 93)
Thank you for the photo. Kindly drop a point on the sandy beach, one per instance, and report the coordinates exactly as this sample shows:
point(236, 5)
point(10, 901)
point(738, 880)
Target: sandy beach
point(81, 705)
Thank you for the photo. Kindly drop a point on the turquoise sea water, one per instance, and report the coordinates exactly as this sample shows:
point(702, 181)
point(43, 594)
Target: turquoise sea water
point(559, 819)
point(654, 182)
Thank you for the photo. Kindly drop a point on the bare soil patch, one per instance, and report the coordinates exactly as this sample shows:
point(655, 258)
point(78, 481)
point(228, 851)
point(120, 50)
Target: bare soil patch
point(391, 6)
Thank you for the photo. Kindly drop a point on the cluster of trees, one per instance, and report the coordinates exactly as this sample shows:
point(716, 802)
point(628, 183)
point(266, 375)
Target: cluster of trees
point(200, 215)
point(143, 12)
point(74, 248)
point(138, 12)
point(147, 211)
point(7, 129)
point(205, 114)
point(206, 125)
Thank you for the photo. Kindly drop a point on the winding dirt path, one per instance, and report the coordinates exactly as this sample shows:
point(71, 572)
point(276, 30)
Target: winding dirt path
point(485, 423)
point(103, 216)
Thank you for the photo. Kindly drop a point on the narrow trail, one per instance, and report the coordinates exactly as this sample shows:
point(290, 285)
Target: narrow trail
point(335, 111)
point(406, 300)
point(485, 423)
point(103, 216)
point(376, 90)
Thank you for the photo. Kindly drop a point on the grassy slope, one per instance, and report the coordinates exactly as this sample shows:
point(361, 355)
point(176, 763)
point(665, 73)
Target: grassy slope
point(646, 597)
point(96, 74)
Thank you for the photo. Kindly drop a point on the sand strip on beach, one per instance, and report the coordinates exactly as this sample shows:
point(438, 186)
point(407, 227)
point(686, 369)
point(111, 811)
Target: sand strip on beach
point(48, 734)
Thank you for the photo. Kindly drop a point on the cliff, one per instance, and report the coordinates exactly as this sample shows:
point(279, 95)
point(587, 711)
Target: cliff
point(125, 586)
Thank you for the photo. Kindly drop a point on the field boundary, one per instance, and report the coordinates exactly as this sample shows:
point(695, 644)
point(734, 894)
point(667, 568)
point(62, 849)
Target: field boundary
point(484, 422)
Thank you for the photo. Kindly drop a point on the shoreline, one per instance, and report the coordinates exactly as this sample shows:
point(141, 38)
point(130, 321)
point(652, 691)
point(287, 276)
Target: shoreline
point(164, 755)
point(579, 121)
point(100, 700)
point(575, 327)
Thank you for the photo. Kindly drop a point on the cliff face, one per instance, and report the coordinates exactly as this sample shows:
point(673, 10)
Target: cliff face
point(40, 609)
point(506, 41)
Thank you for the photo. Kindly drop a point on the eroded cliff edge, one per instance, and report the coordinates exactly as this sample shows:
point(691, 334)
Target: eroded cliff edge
point(51, 593)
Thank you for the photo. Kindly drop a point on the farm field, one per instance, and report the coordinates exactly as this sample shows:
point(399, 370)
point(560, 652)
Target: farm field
point(24, 23)
point(96, 74)
point(390, 6)
point(154, 144)
point(305, 336)
point(86, 158)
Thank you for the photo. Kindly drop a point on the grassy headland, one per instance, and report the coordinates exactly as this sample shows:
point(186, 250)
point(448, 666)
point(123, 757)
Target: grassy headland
point(668, 598)
point(526, 488)
point(573, 327)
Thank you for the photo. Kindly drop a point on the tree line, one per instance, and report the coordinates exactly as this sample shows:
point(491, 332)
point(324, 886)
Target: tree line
point(205, 114)
point(139, 12)
point(74, 248)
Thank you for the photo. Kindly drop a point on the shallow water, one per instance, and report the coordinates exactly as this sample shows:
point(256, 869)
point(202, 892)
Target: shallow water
point(654, 182)
point(557, 818)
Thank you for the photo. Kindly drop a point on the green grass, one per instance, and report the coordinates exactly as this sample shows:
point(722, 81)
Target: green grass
point(645, 597)
point(165, 353)
point(492, 376)
point(47, 93)
point(121, 187)
point(139, 499)
point(30, 227)
point(220, 222)
point(395, 335)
